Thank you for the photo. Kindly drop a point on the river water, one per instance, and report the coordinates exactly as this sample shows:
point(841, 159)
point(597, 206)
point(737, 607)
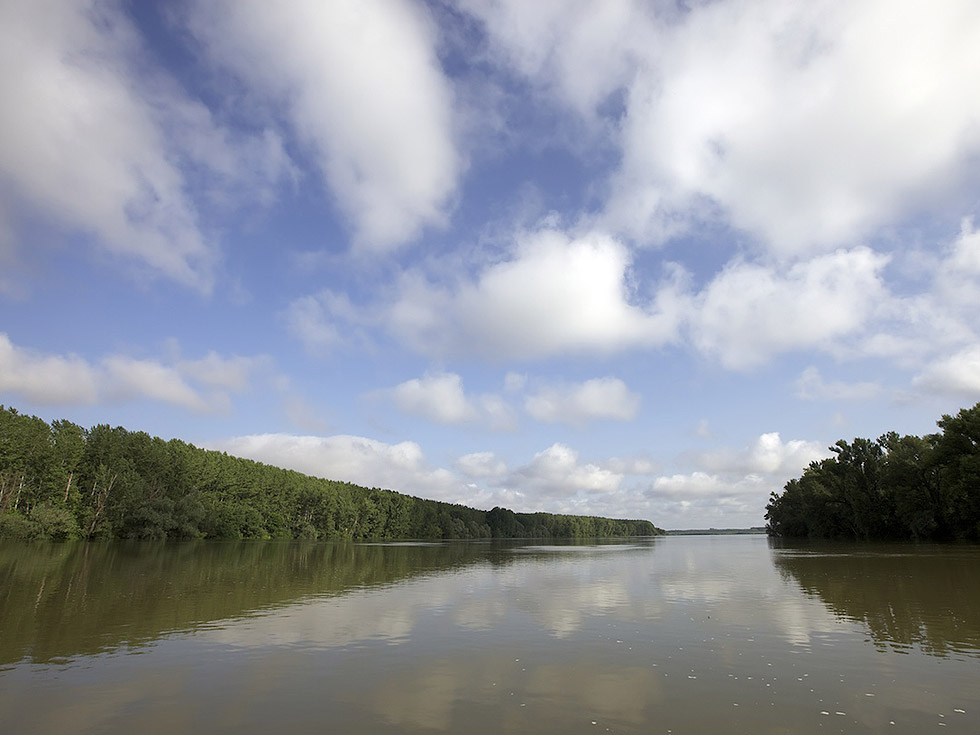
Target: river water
point(711, 634)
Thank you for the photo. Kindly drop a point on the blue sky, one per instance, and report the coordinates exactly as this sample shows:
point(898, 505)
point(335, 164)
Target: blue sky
point(635, 259)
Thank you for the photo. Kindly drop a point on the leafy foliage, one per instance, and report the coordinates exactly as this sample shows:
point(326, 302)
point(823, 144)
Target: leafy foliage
point(61, 481)
point(897, 487)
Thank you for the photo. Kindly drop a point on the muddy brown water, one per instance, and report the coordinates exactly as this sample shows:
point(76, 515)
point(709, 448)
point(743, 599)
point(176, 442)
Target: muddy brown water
point(701, 634)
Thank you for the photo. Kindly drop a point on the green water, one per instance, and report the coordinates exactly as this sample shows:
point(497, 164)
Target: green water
point(725, 634)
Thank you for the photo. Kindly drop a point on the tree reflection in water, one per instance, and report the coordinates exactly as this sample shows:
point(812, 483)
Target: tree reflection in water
point(925, 597)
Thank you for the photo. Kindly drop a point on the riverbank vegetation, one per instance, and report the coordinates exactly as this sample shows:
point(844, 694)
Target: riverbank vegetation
point(893, 488)
point(60, 481)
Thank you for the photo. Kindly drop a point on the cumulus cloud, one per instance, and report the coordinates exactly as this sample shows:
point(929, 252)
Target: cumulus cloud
point(568, 294)
point(581, 52)
point(556, 294)
point(771, 455)
point(767, 455)
point(440, 397)
point(803, 124)
point(957, 374)
point(481, 465)
point(733, 485)
point(958, 275)
point(437, 397)
point(46, 379)
point(729, 488)
point(401, 467)
point(579, 403)
point(360, 83)
point(95, 142)
point(559, 293)
point(557, 471)
point(750, 312)
point(700, 485)
point(127, 378)
point(631, 465)
point(201, 386)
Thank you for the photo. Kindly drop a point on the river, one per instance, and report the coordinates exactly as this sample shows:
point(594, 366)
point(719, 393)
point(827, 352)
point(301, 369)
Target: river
point(677, 635)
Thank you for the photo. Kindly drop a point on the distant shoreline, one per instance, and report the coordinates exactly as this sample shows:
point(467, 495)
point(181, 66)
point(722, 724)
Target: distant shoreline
point(755, 530)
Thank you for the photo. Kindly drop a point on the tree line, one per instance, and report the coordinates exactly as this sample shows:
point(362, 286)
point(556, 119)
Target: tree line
point(60, 481)
point(893, 488)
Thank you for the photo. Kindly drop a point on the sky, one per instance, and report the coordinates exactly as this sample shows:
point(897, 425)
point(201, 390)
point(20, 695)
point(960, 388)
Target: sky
point(620, 258)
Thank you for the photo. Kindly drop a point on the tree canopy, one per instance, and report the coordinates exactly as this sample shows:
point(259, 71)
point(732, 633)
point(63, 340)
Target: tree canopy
point(895, 487)
point(60, 481)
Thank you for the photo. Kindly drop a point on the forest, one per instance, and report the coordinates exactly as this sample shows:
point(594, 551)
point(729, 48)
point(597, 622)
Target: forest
point(60, 481)
point(893, 488)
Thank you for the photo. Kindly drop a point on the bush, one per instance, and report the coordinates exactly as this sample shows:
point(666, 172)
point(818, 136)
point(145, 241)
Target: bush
point(56, 524)
point(18, 527)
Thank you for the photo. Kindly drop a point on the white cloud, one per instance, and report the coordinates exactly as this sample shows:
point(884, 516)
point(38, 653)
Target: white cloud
point(440, 397)
point(957, 374)
point(579, 403)
point(96, 143)
point(767, 455)
point(698, 485)
point(228, 373)
point(556, 471)
point(360, 83)
point(915, 329)
point(437, 397)
point(45, 379)
point(631, 465)
point(311, 320)
point(770, 455)
point(729, 488)
point(481, 465)
point(401, 467)
point(128, 378)
point(201, 386)
point(805, 124)
point(812, 386)
point(750, 312)
point(958, 275)
point(580, 51)
point(557, 294)
point(728, 485)
point(497, 412)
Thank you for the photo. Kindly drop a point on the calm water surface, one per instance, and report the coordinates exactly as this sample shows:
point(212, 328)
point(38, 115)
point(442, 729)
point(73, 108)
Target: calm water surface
point(672, 635)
